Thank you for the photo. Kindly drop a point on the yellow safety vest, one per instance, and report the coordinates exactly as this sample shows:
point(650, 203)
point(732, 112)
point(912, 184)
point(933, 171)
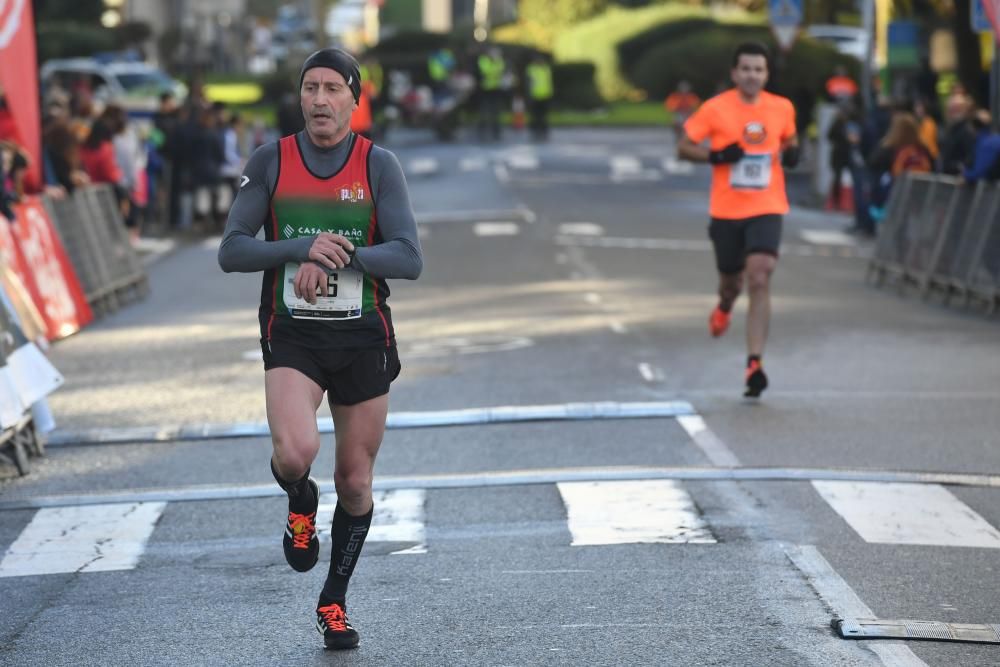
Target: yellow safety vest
point(540, 81)
point(492, 72)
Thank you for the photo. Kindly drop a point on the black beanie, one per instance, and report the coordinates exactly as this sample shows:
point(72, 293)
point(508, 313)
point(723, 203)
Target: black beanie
point(338, 60)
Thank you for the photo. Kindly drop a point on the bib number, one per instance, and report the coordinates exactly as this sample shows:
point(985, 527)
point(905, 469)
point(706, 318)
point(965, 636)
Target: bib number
point(752, 172)
point(343, 300)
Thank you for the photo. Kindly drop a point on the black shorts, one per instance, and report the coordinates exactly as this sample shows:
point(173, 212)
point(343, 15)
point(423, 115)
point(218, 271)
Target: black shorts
point(735, 239)
point(348, 376)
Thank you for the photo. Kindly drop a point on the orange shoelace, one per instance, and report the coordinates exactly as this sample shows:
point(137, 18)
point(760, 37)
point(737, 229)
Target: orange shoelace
point(334, 617)
point(303, 529)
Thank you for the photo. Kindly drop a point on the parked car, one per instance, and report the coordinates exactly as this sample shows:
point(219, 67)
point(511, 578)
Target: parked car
point(135, 85)
point(848, 40)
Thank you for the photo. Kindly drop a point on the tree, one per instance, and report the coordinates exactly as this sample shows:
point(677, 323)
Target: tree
point(67, 11)
point(558, 13)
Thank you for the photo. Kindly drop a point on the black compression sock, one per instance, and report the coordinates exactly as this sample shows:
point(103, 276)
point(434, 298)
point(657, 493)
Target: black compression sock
point(300, 492)
point(347, 536)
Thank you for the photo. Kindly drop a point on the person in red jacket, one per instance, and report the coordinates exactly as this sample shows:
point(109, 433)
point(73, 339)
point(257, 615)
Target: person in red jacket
point(98, 159)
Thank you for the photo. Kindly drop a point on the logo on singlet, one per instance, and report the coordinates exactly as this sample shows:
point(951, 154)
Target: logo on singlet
point(353, 194)
point(244, 181)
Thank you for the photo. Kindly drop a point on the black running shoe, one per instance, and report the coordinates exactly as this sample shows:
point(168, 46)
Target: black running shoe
point(301, 544)
point(332, 623)
point(756, 380)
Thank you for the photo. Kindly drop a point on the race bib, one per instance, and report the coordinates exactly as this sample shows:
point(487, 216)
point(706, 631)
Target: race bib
point(343, 300)
point(752, 172)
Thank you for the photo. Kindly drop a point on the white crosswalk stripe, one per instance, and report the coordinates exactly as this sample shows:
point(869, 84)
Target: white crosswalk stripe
point(656, 511)
point(92, 538)
point(926, 514)
point(398, 517)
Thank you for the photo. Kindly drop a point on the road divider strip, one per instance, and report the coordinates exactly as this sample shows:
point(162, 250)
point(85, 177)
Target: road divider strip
point(519, 478)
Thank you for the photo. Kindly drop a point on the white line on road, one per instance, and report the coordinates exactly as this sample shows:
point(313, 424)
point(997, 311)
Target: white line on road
point(658, 511)
point(523, 161)
point(826, 237)
point(908, 514)
point(618, 327)
point(672, 165)
point(496, 229)
point(475, 215)
point(650, 373)
point(398, 517)
point(88, 538)
point(593, 298)
point(501, 173)
point(423, 166)
point(713, 447)
point(581, 229)
point(473, 164)
point(845, 603)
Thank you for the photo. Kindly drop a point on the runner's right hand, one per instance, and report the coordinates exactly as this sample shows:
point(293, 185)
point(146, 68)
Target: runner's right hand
point(331, 250)
point(731, 153)
point(309, 280)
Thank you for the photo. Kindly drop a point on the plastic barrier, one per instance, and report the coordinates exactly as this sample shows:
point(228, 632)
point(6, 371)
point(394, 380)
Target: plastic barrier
point(941, 235)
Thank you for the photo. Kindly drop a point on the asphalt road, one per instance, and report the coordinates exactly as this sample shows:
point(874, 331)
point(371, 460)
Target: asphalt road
point(575, 272)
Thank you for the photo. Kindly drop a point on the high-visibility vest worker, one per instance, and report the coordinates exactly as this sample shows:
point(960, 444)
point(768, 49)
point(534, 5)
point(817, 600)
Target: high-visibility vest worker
point(539, 81)
point(372, 72)
point(491, 72)
point(361, 119)
point(440, 64)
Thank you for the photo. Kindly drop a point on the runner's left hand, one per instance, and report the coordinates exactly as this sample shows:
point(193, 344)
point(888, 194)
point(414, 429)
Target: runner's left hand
point(308, 279)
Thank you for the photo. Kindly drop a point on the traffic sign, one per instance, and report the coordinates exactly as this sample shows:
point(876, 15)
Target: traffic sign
point(979, 20)
point(785, 17)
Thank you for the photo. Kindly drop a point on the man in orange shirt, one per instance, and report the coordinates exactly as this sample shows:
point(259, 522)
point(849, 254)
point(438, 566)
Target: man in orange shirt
point(751, 135)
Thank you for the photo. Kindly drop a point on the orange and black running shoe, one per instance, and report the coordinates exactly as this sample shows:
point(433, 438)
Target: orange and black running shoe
point(756, 380)
point(718, 322)
point(300, 543)
point(332, 623)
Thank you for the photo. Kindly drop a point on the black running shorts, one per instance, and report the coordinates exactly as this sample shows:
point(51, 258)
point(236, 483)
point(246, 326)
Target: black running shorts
point(348, 376)
point(735, 239)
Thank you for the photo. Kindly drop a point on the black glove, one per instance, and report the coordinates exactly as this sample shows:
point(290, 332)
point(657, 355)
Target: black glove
point(790, 157)
point(731, 153)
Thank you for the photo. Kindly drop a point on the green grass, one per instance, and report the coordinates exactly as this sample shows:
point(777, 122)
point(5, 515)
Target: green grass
point(617, 114)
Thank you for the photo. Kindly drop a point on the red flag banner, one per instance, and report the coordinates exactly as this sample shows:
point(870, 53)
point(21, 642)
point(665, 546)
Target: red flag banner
point(19, 75)
point(52, 282)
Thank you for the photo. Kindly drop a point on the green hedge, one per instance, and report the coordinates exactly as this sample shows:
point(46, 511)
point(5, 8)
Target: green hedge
point(574, 86)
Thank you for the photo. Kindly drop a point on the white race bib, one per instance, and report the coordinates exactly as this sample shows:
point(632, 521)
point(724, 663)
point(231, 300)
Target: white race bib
point(342, 303)
point(752, 172)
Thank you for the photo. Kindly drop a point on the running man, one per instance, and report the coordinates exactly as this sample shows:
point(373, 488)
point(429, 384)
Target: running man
point(751, 137)
point(337, 223)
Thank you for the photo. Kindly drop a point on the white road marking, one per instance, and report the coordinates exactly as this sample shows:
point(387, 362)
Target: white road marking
point(496, 229)
point(398, 517)
point(632, 512)
point(593, 298)
point(523, 161)
point(423, 166)
point(581, 229)
point(827, 237)
point(472, 164)
point(713, 447)
point(625, 164)
point(650, 373)
point(253, 355)
point(501, 173)
point(672, 165)
point(908, 514)
point(89, 538)
point(845, 603)
point(618, 327)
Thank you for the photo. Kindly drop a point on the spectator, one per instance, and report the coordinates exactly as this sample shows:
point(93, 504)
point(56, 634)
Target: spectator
point(901, 151)
point(61, 150)
point(840, 152)
point(959, 140)
point(207, 158)
point(97, 155)
point(840, 87)
point(232, 167)
point(986, 154)
point(928, 127)
point(681, 103)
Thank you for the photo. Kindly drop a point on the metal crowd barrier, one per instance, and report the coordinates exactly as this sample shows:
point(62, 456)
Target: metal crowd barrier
point(941, 236)
point(93, 232)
